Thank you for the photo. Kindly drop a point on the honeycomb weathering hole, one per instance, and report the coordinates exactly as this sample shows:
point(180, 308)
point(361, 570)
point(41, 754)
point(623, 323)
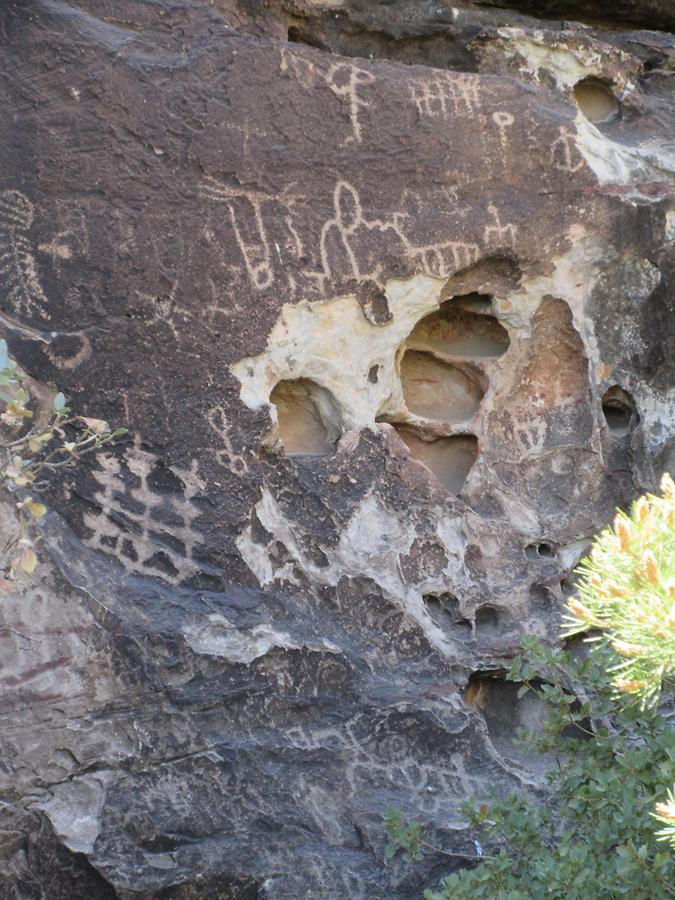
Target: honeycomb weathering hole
point(596, 101)
point(307, 418)
point(619, 410)
point(457, 330)
point(450, 459)
point(437, 390)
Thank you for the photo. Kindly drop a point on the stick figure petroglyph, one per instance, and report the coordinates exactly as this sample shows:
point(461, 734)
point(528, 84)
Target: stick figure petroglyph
point(344, 80)
point(17, 262)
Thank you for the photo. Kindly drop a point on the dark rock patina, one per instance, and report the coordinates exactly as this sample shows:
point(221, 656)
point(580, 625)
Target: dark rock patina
point(383, 293)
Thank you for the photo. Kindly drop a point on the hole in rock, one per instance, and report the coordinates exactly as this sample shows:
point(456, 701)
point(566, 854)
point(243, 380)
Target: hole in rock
point(619, 410)
point(437, 390)
point(474, 302)
point(444, 610)
point(307, 417)
point(539, 551)
point(455, 331)
point(487, 620)
point(596, 101)
point(450, 459)
point(507, 715)
point(373, 374)
point(298, 36)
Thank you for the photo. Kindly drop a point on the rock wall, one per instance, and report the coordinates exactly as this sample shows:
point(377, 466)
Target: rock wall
point(383, 293)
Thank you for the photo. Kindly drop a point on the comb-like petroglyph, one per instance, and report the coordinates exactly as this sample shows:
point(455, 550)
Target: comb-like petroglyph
point(382, 294)
point(18, 266)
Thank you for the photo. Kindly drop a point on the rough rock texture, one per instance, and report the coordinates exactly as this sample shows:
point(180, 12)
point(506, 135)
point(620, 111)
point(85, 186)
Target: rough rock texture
point(383, 292)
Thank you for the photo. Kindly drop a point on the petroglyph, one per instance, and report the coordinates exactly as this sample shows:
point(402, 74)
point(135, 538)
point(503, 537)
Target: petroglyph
point(248, 223)
point(564, 153)
point(442, 259)
point(344, 79)
point(17, 262)
point(444, 95)
point(498, 235)
point(503, 120)
point(145, 516)
point(339, 243)
point(226, 455)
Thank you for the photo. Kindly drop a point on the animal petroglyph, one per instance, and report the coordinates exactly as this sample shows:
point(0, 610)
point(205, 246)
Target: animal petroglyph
point(442, 96)
point(498, 235)
point(17, 262)
point(145, 515)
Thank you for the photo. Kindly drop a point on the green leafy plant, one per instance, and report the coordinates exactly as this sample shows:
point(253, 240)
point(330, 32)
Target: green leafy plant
point(615, 753)
point(627, 594)
point(593, 837)
point(32, 449)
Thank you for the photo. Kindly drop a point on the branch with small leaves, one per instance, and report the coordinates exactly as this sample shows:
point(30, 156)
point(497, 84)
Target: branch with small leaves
point(29, 455)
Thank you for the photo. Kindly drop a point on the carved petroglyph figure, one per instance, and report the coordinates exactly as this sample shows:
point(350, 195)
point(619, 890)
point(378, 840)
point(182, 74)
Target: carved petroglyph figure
point(498, 235)
point(564, 153)
point(442, 96)
point(149, 527)
point(339, 243)
point(248, 223)
point(227, 456)
point(17, 262)
point(503, 120)
point(344, 79)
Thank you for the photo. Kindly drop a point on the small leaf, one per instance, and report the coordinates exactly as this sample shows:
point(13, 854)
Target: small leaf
point(28, 560)
point(59, 402)
point(38, 510)
point(98, 426)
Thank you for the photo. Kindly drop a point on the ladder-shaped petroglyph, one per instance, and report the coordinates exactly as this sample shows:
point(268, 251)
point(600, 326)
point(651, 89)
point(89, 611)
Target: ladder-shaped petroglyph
point(443, 96)
point(17, 261)
point(145, 514)
point(250, 229)
point(344, 79)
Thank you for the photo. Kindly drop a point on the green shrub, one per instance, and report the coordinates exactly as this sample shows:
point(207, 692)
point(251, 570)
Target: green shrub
point(593, 838)
point(31, 452)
